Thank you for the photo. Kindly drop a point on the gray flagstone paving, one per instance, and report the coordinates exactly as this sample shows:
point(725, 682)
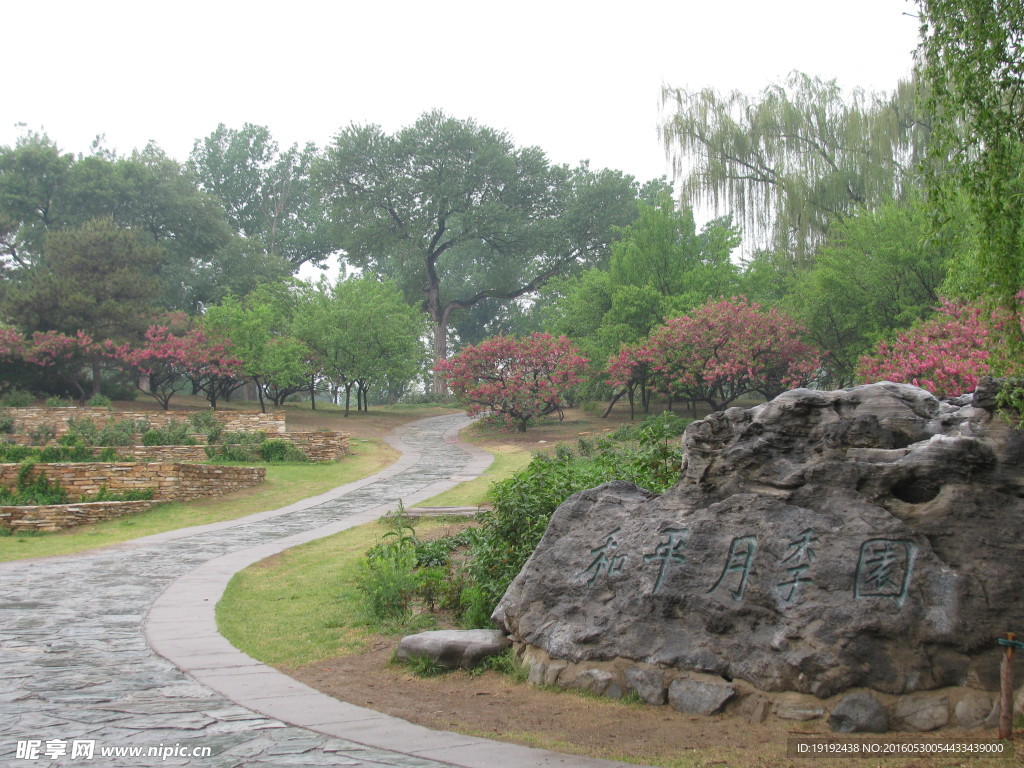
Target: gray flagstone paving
point(75, 664)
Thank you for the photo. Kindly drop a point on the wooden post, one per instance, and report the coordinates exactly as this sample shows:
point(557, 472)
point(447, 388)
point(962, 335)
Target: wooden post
point(1006, 690)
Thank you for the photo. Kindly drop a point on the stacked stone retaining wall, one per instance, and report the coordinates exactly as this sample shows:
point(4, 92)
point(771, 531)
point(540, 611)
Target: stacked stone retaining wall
point(169, 481)
point(27, 420)
point(57, 517)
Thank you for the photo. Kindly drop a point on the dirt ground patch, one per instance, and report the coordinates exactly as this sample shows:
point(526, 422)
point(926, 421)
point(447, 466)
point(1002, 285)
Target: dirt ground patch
point(495, 706)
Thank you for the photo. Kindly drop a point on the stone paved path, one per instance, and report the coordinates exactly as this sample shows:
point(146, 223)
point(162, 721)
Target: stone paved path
point(74, 664)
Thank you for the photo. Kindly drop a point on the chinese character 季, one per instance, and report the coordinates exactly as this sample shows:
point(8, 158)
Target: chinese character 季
point(799, 559)
point(738, 562)
point(605, 558)
point(670, 548)
point(884, 569)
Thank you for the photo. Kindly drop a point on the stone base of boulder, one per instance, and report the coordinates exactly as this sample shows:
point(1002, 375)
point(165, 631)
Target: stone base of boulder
point(453, 648)
point(693, 693)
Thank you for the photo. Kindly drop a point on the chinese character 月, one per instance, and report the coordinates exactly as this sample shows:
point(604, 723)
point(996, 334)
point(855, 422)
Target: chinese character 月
point(738, 561)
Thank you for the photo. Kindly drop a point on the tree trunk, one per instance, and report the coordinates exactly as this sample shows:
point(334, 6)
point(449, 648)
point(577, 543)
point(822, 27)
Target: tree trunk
point(259, 393)
point(440, 353)
point(96, 370)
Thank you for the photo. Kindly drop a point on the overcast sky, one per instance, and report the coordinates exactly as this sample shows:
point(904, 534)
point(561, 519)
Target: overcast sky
point(576, 80)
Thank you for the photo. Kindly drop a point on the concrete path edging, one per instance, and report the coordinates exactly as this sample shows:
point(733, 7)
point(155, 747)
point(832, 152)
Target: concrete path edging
point(181, 627)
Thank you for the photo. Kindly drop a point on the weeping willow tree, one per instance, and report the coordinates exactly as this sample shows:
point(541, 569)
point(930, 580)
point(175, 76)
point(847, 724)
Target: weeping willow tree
point(796, 159)
point(972, 58)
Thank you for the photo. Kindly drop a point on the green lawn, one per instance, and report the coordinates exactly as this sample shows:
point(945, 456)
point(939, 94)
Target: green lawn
point(301, 605)
point(285, 484)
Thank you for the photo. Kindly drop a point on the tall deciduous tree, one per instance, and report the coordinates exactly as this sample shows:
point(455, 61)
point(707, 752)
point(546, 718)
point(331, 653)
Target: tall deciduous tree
point(363, 334)
point(796, 159)
point(972, 60)
point(267, 192)
point(456, 214)
point(878, 272)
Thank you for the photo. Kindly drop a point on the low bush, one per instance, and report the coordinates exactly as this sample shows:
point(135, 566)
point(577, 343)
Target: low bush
point(648, 454)
point(172, 433)
point(280, 450)
point(39, 491)
point(100, 401)
point(116, 432)
point(32, 492)
point(17, 398)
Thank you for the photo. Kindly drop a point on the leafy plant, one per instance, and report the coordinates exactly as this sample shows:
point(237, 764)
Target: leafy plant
point(424, 666)
point(172, 433)
point(647, 454)
point(99, 401)
point(41, 434)
point(6, 423)
point(56, 402)
point(281, 450)
point(388, 582)
point(16, 398)
point(31, 491)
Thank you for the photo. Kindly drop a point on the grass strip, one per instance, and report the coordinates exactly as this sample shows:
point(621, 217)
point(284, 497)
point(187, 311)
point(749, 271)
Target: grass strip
point(285, 484)
point(302, 605)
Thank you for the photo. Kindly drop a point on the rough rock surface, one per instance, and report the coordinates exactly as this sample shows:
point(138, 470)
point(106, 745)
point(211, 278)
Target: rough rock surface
point(871, 537)
point(453, 648)
point(859, 712)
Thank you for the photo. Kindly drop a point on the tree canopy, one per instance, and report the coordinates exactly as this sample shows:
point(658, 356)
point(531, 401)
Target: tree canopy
point(456, 214)
point(796, 159)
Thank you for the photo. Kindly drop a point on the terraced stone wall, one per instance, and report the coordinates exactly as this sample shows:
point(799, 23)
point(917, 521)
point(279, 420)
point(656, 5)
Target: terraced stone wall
point(170, 481)
point(27, 420)
point(57, 517)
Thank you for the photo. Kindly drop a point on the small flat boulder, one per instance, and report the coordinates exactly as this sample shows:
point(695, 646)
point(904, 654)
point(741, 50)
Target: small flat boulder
point(453, 648)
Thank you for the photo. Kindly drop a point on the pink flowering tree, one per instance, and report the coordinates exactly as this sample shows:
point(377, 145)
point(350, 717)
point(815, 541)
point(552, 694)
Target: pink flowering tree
point(12, 348)
point(726, 348)
point(628, 371)
point(517, 379)
point(160, 364)
point(72, 359)
point(947, 353)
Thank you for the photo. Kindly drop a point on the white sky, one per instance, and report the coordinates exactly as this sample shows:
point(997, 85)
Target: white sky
point(578, 81)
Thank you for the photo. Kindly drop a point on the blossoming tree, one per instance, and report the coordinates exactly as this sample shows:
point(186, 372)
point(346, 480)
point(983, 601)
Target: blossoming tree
point(517, 379)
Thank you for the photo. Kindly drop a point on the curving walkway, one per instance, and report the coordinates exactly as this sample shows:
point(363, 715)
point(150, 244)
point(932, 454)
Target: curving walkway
point(119, 648)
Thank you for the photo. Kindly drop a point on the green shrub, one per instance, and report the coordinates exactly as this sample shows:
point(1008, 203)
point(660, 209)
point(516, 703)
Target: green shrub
point(172, 433)
point(32, 492)
point(99, 401)
point(17, 398)
point(281, 450)
point(41, 434)
point(53, 454)
point(230, 453)
point(136, 494)
point(6, 423)
point(12, 453)
point(57, 402)
point(648, 454)
point(388, 582)
point(205, 423)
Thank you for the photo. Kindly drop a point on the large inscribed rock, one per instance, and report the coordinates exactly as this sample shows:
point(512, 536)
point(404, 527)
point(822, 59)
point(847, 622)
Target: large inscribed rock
point(863, 538)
